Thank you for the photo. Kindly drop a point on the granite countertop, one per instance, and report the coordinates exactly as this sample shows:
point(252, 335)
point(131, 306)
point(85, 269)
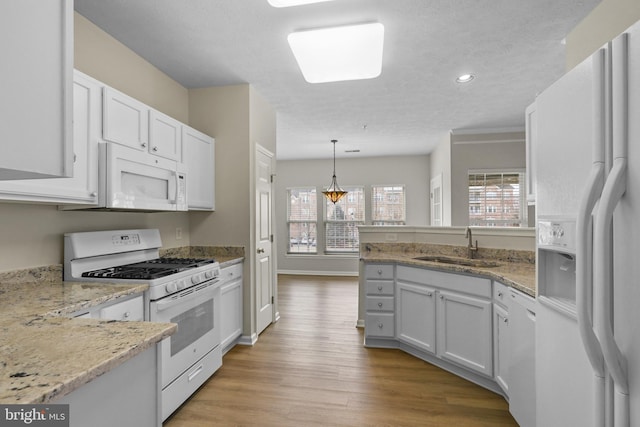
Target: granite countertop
point(516, 271)
point(45, 355)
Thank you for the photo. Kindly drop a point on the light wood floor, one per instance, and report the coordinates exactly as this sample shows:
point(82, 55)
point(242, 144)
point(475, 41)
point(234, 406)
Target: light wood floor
point(311, 369)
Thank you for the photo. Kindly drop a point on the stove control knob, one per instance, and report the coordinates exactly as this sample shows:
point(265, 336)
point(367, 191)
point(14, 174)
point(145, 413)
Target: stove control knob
point(208, 274)
point(181, 284)
point(195, 279)
point(171, 287)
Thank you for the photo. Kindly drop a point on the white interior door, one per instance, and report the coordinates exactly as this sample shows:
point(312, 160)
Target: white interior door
point(436, 201)
point(264, 244)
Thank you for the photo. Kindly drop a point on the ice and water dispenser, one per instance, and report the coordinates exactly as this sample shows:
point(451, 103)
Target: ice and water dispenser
point(556, 264)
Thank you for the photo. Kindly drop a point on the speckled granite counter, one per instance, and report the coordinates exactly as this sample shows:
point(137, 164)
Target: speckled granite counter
point(225, 255)
point(515, 268)
point(45, 355)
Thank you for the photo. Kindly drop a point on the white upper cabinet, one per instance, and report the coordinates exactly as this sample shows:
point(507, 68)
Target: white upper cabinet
point(82, 188)
point(531, 130)
point(165, 136)
point(125, 120)
point(199, 155)
point(36, 41)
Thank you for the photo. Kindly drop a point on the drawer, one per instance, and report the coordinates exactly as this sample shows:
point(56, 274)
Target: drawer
point(380, 303)
point(232, 272)
point(501, 293)
point(378, 287)
point(379, 325)
point(378, 271)
point(478, 286)
point(132, 309)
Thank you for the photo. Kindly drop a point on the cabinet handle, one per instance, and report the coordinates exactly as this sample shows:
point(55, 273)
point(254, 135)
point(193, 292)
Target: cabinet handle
point(260, 251)
point(144, 144)
point(429, 294)
point(155, 148)
point(500, 294)
point(380, 304)
point(126, 314)
point(380, 325)
point(441, 296)
point(380, 272)
point(505, 320)
point(379, 287)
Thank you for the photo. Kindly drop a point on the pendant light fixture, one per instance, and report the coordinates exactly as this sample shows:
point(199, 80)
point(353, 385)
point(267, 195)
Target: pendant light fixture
point(334, 192)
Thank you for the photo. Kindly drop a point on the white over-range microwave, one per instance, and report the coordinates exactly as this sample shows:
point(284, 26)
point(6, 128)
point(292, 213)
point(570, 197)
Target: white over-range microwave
point(136, 180)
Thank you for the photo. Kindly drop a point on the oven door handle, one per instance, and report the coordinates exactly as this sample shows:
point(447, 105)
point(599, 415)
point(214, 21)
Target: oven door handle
point(171, 302)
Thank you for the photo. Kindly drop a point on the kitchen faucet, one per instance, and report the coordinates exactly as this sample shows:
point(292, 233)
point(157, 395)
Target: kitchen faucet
point(470, 248)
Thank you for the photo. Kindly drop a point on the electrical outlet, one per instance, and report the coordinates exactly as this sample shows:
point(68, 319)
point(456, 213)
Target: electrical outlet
point(178, 233)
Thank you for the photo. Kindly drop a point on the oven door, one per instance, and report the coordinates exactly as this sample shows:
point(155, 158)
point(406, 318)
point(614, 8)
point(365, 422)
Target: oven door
point(196, 311)
point(135, 179)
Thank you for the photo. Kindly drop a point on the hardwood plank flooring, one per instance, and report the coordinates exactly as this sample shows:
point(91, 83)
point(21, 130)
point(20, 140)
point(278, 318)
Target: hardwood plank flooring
point(311, 369)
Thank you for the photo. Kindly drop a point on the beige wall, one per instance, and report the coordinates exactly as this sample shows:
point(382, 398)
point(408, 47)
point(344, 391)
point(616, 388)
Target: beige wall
point(32, 235)
point(440, 164)
point(502, 151)
point(607, 20)
point(106, 59)
point(238, 118)
point(410, 171)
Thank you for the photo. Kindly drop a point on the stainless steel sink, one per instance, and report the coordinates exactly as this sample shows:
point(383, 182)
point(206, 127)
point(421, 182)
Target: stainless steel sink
point(482, 263)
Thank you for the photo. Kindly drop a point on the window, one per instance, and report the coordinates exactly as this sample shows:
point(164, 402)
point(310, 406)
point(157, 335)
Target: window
point(342, 220)
point(302, 219)
point(387, 205)
point(497, 199)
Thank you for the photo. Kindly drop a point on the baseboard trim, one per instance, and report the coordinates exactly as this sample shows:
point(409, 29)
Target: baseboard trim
point(248, 339)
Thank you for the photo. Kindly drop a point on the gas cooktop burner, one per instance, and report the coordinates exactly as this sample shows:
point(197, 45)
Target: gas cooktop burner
point(149, 270)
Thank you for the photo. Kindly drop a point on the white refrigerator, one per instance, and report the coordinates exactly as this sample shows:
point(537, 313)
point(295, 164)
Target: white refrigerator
point(587, 173)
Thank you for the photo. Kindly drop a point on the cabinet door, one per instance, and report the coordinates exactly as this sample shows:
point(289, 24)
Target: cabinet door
point(464, 331)
point(165, 136)
point(230, 311)
point(125, 120)
point(199, 156)
point(531, 130)
point(501, 346)
point(416, 316)
point(36, 41)
point(82, 188)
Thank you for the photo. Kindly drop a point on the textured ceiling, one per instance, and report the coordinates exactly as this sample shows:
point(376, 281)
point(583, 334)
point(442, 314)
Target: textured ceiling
point(514, 47)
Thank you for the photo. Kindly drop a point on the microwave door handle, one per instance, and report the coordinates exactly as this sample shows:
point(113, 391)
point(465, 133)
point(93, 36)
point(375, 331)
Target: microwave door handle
point(174, 201)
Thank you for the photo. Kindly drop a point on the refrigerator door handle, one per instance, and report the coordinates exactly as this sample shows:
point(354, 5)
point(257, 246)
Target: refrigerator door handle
point(614, 188)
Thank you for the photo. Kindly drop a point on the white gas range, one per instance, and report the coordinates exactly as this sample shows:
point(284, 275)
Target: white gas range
point(185, 291)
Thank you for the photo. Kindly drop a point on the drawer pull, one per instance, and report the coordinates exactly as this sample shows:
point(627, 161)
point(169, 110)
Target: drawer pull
point(500, 294)
point(429, 294)
point(380, 304)
point(441, 296)
point(380, 271)
point(505, 320)
point(379, 287)
point(380, 325)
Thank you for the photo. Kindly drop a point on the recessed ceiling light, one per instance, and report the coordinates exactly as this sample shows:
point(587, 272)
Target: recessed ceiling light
point(465, 78)
point(287, 3)
point(350, 52)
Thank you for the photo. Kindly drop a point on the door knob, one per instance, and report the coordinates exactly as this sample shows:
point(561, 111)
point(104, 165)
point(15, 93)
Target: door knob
point(260, 251)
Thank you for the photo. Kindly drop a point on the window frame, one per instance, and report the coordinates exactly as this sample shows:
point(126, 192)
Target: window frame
point(481, 198)
point(376, 221)
point(354, 223)
point(289, 221)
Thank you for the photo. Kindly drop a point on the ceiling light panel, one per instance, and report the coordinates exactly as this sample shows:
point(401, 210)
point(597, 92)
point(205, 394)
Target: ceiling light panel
point(350, 52)
point(287, 3)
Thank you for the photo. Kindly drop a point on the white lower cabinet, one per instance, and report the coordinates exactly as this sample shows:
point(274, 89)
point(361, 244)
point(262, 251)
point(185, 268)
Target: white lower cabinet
point(379, 319)
point(231, 306)
point(501, 343)
point(464, 331)
point(416, 316)
point(128, 395)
